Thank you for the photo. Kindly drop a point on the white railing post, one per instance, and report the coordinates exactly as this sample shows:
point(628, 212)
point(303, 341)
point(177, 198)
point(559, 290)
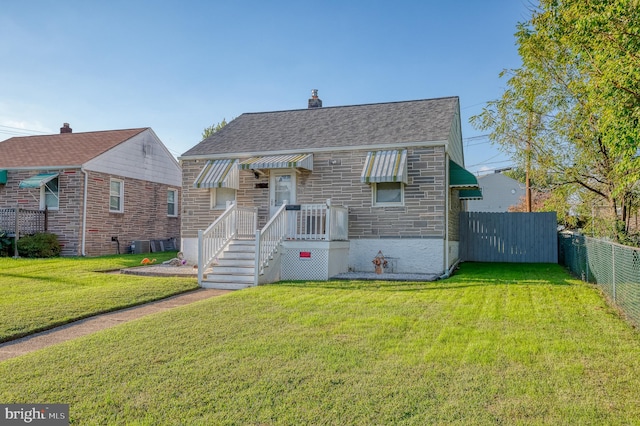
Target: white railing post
point(256, 273)
point(327, 225)
point(200, 258)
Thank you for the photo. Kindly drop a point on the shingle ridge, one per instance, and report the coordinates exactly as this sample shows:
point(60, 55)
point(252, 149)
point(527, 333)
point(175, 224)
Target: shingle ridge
point(350, 106)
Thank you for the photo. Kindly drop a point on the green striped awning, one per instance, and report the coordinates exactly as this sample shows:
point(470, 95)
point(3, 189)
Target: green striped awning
point(470, 194)
point(301, 161)
point(218, 174)
point(385, 166)
point(38, 180)
point(461, 178)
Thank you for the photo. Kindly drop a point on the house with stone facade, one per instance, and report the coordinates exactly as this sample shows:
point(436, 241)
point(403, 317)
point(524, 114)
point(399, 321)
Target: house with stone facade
point(311, 193)
point(101, 190)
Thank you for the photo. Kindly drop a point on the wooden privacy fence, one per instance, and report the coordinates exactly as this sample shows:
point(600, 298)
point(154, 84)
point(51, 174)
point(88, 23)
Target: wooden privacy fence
point(509, 237)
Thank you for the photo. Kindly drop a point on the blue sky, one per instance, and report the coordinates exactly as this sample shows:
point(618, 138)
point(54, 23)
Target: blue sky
point(180, 66)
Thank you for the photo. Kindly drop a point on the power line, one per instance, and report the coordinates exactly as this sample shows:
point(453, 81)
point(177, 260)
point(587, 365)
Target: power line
point(9, 130)
point(472, 138)
point(490, 162)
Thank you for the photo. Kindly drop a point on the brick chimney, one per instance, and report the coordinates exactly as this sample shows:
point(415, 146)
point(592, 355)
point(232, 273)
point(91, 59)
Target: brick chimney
point(65, 128)
point(314, 101)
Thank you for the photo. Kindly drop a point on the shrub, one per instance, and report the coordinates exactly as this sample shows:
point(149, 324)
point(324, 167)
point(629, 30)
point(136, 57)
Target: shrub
point(42, 244)
point(6, 243)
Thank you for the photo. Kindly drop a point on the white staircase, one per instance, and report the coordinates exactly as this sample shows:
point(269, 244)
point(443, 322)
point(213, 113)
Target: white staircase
point(235, 266)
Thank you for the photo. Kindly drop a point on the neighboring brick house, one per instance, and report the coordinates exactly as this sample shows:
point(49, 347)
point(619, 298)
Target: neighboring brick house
point(397, 167)
point(95, 186)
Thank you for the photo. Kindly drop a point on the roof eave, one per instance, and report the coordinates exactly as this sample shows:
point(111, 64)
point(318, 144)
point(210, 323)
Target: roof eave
point(29, 168)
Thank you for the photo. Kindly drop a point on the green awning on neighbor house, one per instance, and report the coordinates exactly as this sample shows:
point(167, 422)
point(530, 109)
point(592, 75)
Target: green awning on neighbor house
point(38, 180)
point(3, 177)
point(470, 194)
point(460, 178)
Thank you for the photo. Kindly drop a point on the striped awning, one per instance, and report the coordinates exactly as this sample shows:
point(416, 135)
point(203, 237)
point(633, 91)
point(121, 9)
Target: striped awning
point(461, 178)
point(218, 174)
point(38, 180)
point(301, 161)
point(385, 166)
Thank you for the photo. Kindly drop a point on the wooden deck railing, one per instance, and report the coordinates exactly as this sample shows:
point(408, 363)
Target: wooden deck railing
point(19, 221)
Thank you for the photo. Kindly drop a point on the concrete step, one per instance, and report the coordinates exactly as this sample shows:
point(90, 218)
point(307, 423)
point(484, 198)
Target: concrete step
point(224, 285)
point(230, 278)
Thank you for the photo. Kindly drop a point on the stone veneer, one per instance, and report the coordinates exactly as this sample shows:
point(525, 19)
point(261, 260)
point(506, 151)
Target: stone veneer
point(421, 218)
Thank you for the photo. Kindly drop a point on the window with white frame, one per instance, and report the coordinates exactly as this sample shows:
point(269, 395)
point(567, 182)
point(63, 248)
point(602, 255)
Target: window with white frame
point(50, 195)
point(220, 196)
point(388, 194)
point(172, 202)
point(116, 196)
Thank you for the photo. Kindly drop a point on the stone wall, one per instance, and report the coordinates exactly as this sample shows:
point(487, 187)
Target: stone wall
point(336, 175)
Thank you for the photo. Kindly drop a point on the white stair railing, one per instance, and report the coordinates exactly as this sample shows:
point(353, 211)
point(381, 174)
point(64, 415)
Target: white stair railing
point(268, 240)
point(234, 222)
point(337, 222)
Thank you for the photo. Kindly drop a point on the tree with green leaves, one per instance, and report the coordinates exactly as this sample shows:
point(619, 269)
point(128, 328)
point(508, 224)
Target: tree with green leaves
point(208, 131)
point(571, 112)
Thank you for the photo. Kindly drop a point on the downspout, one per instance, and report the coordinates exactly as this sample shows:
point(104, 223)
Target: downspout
point(446, 216)
point(84, 210)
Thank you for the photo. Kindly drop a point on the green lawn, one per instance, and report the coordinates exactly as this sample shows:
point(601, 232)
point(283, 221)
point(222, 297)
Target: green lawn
point(37, 294)
point(494, 344)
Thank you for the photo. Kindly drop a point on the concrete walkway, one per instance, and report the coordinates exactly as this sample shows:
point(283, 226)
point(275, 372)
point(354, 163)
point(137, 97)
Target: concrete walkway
point(90, 325)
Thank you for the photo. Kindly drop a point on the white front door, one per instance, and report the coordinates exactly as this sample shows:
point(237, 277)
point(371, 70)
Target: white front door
point(282, 187)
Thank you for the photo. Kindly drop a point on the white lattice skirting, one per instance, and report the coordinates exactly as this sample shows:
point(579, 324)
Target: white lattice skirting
point(314, 260)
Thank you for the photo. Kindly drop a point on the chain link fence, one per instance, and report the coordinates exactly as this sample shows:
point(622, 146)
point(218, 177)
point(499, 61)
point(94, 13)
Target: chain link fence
point(613, 267)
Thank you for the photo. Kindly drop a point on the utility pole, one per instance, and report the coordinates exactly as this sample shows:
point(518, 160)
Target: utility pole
point(528, 167)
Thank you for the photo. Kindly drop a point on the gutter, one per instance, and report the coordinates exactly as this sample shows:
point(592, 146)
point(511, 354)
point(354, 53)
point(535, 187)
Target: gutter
point(84, 210)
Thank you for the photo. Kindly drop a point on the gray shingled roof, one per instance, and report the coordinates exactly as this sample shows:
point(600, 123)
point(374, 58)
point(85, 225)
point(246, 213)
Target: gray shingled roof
point(345, 126)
